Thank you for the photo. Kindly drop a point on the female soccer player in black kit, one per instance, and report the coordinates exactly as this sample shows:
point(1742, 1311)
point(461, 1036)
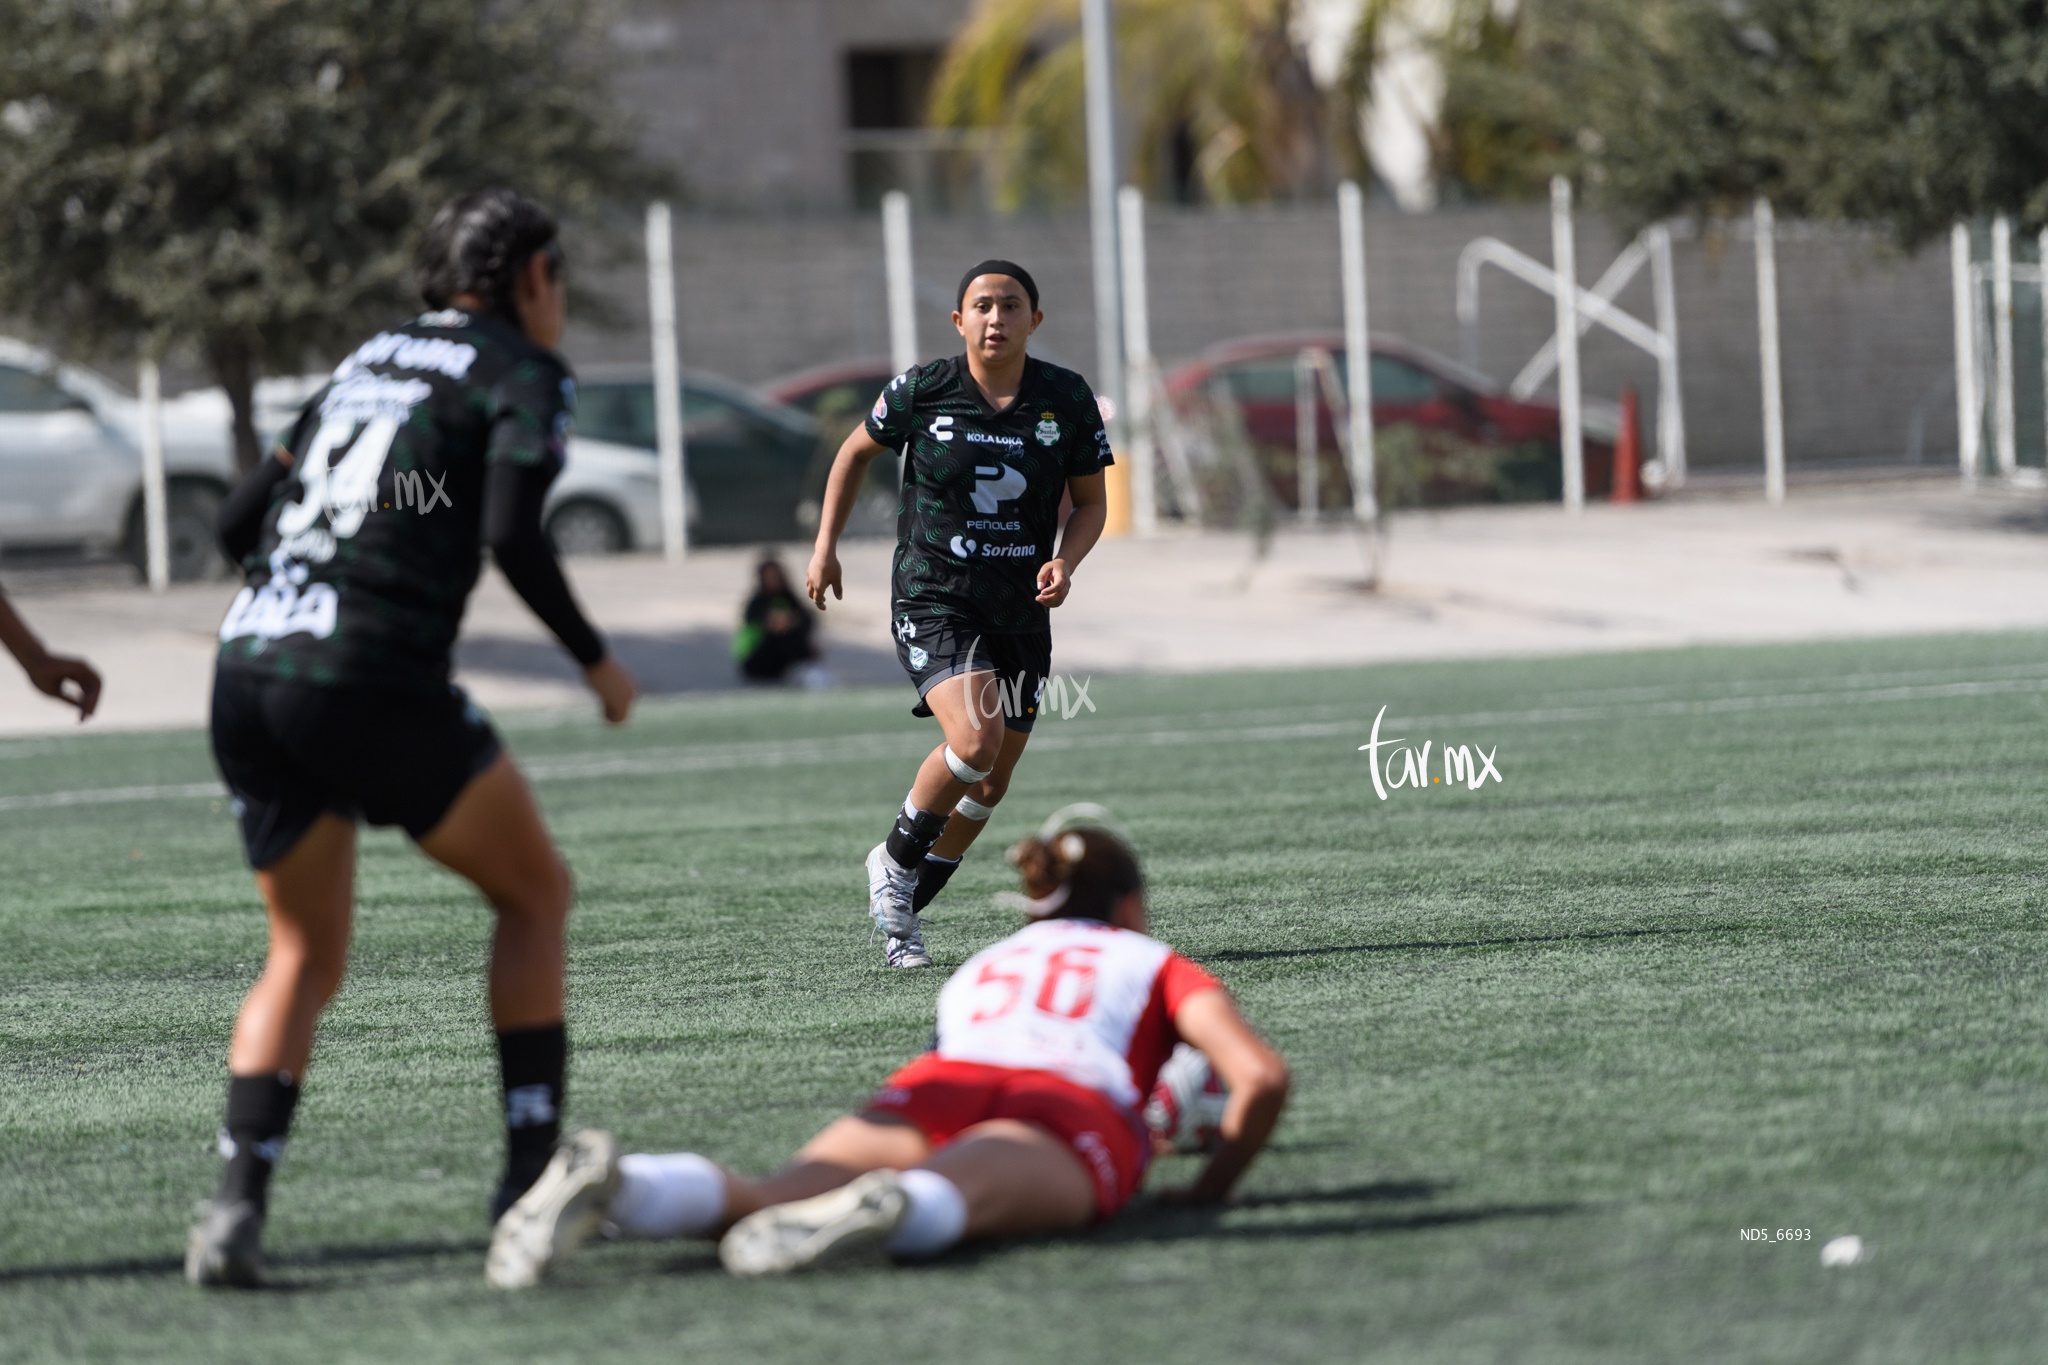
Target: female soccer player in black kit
point(362, 537)
point(991, 439)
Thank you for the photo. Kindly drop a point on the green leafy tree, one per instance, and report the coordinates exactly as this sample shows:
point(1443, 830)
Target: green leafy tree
point(1217, 95)
point(1903, 114)
point(248, 178)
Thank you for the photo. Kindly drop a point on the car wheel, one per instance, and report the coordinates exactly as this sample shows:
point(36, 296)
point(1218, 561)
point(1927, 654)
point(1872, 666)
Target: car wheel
point(587, 528)
point(190, 513)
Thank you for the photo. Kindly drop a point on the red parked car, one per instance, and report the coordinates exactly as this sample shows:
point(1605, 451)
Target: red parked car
point(827, 391)
point(1413, 385)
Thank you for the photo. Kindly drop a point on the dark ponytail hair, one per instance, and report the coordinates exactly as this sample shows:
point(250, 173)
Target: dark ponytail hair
point(1080, 872)
point(478, 244)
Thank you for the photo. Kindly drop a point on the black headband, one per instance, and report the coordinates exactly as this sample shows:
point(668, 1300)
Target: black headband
point(1010, 268)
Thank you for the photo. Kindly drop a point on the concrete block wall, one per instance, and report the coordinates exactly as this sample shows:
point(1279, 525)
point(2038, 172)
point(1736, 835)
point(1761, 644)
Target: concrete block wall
point(1866, 333)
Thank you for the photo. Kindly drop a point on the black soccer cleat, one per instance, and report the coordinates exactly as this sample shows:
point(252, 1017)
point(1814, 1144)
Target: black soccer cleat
point(225, 1249)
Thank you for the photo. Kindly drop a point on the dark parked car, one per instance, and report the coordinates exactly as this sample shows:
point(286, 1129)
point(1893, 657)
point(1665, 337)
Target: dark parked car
point(1414, 386)
point(746, 459)
point(837, 397)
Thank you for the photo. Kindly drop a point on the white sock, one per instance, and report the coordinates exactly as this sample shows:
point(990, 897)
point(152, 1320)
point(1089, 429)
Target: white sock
point(937, 1217)
point(677, 1194)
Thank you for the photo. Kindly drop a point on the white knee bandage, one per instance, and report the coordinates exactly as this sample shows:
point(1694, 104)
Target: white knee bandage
point(970, 809)
point(960, 769)
point(678, 1194)
point(936, 1218)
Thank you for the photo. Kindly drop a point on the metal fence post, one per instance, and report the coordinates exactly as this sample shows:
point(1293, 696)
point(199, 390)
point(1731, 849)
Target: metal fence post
point(1767, 339)
point(897, 264)
point(1365, 501)
point(1564, 262)
point(1138, 379)
point(155, 497)
point(1098, 39)
point(2005, 429)
point(1969, 405)
point(668, 382)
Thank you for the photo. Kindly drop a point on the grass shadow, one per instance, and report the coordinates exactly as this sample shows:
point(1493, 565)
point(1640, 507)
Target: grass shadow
point(310, 1258)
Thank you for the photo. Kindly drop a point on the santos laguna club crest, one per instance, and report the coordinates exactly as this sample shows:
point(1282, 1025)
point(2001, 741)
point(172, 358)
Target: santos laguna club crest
point(1048, 429)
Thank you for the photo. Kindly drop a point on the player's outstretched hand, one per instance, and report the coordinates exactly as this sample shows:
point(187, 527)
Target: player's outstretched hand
point(1053, 582)
point(614, 686)
point(52, 672)
point(823, 574)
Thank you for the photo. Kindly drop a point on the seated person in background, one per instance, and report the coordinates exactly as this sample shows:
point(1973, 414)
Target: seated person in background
point(775, 632)
point(1023, 1118)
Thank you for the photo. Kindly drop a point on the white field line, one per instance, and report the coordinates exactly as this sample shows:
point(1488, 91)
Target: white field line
point(111, 796)
point(860, 747)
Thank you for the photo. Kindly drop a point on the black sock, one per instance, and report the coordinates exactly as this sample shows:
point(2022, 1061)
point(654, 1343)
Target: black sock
point(914, 836)
point(932, 877)
point(259, 1114)
point(532, 1062)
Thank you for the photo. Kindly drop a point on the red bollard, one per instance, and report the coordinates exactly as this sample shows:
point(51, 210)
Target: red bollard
point(1628, 450)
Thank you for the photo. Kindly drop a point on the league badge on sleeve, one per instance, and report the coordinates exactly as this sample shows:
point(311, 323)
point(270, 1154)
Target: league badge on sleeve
point(1048, 429)
point(880, 411)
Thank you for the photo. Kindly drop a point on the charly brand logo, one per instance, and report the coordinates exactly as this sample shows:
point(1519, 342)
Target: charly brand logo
point(1467, 763)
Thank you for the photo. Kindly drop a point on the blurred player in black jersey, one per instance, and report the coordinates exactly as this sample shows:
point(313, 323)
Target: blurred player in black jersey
point(991, 439)
point(361, 536)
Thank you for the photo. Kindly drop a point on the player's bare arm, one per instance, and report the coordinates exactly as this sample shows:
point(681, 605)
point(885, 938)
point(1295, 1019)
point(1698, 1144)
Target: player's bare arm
point(1257, 1080)
point(1084, 528)
point(842, 487)
point(54, 675)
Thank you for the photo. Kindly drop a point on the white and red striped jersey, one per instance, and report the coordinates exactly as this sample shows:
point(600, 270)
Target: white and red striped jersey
point(1079, 998)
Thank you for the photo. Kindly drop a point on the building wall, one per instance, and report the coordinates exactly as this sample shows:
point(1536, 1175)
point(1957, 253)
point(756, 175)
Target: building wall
point(746, 99)
point(1866, 335)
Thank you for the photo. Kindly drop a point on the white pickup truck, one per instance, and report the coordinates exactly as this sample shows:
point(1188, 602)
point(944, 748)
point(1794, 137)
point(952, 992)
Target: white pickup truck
point(71, 461)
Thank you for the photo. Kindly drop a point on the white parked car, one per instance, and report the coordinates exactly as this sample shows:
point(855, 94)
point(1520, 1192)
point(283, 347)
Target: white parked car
point(71, 461)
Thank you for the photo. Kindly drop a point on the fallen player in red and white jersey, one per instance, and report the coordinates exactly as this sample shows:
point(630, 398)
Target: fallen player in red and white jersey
point(1023, 1118)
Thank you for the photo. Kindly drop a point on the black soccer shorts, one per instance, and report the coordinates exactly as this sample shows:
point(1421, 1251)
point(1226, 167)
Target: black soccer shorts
point(291, 753)
point(933, 648)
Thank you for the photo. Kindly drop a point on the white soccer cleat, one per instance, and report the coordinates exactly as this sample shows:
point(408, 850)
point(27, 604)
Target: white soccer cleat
point(889, 891)
point(838, 1225)
point(909, 951)
point(225, 1247)
point(561, 1210)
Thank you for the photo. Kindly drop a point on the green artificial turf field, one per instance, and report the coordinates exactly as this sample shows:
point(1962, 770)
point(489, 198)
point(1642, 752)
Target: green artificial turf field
point(1744, 938)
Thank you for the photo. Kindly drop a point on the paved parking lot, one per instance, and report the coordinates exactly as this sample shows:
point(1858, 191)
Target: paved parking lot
point(1471, 582)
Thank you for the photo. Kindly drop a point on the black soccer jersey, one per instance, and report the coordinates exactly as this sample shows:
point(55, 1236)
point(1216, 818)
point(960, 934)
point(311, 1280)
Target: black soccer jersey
point(371, 544)
point(981, 488)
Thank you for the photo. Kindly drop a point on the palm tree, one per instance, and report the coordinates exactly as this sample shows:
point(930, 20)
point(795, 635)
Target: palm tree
point(1219, 103)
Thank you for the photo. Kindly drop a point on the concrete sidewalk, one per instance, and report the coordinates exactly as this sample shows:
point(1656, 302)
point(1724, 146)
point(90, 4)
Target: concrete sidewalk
point(1470, 582)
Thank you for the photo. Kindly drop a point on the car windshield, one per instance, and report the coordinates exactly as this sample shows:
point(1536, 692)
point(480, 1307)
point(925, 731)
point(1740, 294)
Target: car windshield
point(624, 414)
point(25, 391)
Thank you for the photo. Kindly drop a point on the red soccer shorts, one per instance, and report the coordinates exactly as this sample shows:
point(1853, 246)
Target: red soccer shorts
point(945, 1098)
